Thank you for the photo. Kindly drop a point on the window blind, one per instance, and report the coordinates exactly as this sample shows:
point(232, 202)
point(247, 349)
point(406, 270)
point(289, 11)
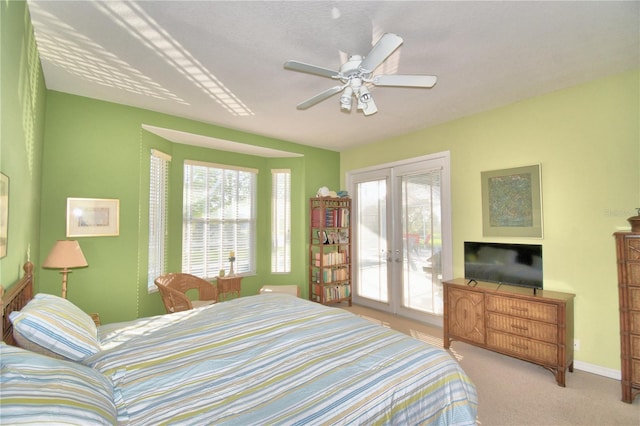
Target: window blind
point(158, 215)
point(219, 216)
point(281, 220)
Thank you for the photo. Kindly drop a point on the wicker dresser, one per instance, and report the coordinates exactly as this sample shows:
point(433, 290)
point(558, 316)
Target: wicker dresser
point(628, 253)
point(513, 321)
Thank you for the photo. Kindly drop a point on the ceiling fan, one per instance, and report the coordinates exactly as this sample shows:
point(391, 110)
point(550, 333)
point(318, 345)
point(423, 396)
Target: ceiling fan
point(357, 71)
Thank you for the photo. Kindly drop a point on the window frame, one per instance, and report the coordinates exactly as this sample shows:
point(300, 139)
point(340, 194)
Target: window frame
point(159, 171)
point(280, 221)
point(206, 242)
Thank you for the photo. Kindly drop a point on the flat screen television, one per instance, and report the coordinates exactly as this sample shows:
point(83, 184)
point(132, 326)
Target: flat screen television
point(512, 264)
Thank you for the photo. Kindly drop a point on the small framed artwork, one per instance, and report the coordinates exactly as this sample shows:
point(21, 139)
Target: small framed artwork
point(333, 238)
point(4, 214)
point(512, 202)
point(322, 236)
point(93, 217)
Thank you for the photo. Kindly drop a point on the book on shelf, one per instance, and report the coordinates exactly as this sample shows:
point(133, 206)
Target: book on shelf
point(316, 218)
point(332, 258)
point(331, 276)
point(334, 292)
point(337, 218)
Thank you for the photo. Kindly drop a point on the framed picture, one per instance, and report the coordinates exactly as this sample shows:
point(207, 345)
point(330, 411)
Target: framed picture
point(512, 202)
point(322, 236)
point(4, 214)
point(93, 217)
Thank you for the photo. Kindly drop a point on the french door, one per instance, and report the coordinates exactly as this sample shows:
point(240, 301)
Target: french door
point(402, 245)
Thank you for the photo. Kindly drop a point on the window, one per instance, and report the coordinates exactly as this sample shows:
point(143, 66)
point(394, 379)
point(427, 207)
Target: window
point(219, 216)
point(280, 221)
point(158, 211)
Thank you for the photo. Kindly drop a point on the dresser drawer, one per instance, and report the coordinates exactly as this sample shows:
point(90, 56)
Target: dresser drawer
point(634, 298)
point(523, 327)
point(523, 308)
point(634, 319)
point(633, 248)
point(635, 371)
point(634, 274)
point(546, 353)
point(635, 346)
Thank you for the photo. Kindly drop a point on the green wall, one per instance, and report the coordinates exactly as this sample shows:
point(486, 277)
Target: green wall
point(23, 96)
point(587, 141)
point(96, 149)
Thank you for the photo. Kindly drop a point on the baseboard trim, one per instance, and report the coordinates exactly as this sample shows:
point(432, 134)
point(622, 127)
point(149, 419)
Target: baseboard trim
point(596, 369)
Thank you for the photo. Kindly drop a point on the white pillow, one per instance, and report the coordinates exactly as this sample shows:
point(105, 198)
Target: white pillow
point(51, 323)
point(39, 390)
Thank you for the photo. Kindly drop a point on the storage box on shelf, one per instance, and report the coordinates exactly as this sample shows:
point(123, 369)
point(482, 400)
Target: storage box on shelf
point(330, 250)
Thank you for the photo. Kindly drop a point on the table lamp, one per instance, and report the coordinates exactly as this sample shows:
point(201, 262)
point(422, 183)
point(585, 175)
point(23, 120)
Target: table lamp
point(65, 254)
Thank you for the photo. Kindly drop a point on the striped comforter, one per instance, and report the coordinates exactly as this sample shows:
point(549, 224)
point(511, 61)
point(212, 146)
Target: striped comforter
point(277, 359)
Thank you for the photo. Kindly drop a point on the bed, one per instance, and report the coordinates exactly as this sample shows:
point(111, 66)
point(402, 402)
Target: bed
point(265, 359)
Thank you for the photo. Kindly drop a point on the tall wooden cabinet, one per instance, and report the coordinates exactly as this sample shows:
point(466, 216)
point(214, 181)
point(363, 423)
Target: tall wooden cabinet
point(513, 321)
point(628, 254)
point(330, 250)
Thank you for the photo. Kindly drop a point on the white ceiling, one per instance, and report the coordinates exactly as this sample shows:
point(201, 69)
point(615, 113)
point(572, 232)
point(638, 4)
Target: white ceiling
point(221, 62)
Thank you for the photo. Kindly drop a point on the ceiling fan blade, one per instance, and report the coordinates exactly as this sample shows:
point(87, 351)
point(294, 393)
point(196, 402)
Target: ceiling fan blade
point(311, 69)
point(405, 80)
point(320, 97)
point(381, 51)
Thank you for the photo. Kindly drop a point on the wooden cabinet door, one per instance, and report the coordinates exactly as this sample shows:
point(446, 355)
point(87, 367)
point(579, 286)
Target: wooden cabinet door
point(466, 318)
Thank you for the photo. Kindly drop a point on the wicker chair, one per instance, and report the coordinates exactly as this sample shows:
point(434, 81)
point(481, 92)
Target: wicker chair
point(174, 286)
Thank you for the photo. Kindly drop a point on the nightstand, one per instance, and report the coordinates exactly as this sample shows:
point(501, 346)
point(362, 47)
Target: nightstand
point(228, 287)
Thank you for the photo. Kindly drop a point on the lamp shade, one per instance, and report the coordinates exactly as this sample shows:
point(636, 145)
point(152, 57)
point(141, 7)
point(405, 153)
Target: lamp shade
point(65, 254)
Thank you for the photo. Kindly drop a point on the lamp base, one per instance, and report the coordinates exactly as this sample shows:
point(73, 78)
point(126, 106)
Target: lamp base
point(64, 273)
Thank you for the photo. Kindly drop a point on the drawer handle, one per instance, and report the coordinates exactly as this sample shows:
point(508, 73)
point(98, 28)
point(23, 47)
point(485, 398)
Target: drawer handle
point(519, 327)
point(520, 346)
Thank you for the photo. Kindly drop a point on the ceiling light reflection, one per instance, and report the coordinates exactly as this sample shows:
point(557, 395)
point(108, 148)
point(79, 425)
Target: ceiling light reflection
point(81, 57)
point(140, 25)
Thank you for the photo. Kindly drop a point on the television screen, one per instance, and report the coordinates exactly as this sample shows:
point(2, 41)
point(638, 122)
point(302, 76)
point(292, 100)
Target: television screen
point(513, 264)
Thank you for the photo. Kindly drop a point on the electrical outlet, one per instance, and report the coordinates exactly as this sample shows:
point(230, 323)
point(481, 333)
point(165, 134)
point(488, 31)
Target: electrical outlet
point(576, 344)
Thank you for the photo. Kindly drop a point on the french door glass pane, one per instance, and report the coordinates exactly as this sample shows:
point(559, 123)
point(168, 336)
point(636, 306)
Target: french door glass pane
point(372, 240)
point(422, 242)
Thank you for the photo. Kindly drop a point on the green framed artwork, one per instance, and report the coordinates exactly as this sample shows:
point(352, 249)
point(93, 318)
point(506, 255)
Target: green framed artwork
point(512, 202)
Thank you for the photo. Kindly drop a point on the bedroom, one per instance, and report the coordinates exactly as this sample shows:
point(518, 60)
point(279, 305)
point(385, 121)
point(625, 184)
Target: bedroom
point(588, 146)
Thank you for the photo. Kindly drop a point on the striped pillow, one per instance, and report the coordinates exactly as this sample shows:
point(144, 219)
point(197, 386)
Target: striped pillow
point(51, 323)
point(37, 389)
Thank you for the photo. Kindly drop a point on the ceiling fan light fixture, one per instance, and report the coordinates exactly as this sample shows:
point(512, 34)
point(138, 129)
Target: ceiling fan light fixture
point(365, 102)
point(358, 70)
point(345, 99)
point(365, 95)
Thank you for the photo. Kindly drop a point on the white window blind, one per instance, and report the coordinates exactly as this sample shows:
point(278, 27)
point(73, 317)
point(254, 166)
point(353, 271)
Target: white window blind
point(219, 216)
point(281, 221)
point(158, 213)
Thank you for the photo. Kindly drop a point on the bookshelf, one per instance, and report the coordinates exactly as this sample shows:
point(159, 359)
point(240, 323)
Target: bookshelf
point(330, 271)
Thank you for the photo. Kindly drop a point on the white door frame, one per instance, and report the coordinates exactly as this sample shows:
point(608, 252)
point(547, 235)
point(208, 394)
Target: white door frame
point(444, 158)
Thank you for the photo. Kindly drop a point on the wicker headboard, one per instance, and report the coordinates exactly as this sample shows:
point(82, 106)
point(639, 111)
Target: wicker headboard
point(14, 299)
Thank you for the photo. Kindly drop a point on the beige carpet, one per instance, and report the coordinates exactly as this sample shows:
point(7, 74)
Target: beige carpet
point(514, 392)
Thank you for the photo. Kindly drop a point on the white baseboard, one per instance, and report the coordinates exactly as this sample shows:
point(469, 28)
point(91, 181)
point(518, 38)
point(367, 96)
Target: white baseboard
point(596, 369)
